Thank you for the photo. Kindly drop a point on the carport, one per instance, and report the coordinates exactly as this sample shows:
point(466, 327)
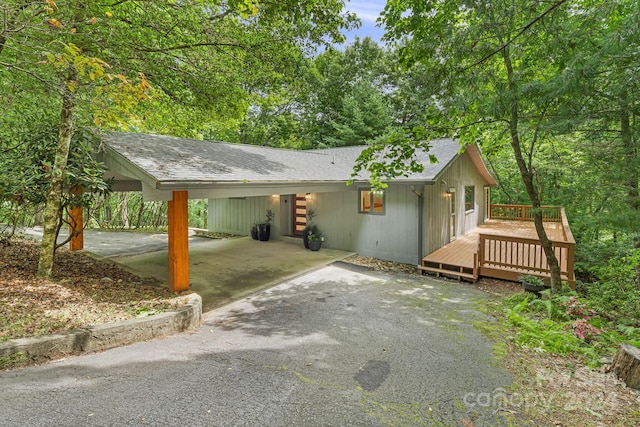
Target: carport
point(175, 170)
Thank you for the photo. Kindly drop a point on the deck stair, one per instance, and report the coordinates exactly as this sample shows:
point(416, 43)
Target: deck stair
point(454, 271)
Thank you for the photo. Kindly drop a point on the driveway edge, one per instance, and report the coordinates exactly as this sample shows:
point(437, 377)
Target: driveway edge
point(106, 336)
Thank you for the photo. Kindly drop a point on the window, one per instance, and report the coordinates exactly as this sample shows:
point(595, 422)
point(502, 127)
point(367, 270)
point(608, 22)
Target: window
point(371, 201)
point(469, 198)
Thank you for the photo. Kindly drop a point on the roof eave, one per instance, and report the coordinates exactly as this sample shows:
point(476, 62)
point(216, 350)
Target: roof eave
point(476, 158)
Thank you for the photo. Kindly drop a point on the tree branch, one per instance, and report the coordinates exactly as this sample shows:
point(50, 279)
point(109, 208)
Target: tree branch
point(27, 72)
point(518, 34)
point(190, 46)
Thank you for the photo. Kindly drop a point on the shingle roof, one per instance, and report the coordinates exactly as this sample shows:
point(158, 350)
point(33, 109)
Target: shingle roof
point(171, 159)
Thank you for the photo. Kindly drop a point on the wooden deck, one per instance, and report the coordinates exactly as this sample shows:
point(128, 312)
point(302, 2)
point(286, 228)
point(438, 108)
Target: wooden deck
point(504, 249)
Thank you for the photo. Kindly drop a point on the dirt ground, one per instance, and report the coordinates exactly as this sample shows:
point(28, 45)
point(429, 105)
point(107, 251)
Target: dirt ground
point(84, 291)
point(554, 390)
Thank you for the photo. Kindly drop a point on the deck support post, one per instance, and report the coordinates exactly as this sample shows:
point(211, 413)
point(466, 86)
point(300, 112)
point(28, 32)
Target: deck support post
point(76, 222)
point(178, 242)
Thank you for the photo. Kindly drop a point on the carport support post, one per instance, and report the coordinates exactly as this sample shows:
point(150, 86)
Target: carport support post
point(76, 222)
point(178, 242)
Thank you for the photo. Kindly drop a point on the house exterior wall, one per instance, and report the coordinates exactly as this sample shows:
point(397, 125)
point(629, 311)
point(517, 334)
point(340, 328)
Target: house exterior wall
point(393, 236)
point(458, 175)
point(236, 216)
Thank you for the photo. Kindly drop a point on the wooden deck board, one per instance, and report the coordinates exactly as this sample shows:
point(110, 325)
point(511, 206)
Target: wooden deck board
point(460, 252)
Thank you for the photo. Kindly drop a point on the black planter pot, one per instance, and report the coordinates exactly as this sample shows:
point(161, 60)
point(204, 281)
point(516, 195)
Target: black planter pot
point(254, 233)
point(315, 245)
point(264, 232)
point(535, 289)
point(305, 239)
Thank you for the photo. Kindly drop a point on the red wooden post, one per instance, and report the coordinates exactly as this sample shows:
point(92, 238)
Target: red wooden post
point(76, 222)
point(178, 242)
point(571, 277)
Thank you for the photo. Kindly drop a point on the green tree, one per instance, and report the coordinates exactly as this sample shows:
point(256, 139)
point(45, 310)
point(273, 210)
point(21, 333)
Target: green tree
point(606, 71)
point(364, 115)
point(90, 57)
point(495, 67)
point(591, 164)
point(349, 95)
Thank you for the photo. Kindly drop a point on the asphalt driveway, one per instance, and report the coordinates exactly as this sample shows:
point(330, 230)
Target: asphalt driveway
point(338, 346)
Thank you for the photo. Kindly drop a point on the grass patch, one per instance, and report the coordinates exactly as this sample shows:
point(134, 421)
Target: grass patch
point(14, 360)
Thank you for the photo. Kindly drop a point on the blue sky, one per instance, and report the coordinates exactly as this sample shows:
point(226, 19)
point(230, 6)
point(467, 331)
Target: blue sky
point(368, 11)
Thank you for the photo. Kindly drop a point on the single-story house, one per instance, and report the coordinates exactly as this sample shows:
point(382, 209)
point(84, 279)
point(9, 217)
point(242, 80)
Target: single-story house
point(412, 217)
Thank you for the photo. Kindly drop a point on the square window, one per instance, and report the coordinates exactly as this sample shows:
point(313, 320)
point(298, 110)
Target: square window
point(469, 198)
point(371, 201)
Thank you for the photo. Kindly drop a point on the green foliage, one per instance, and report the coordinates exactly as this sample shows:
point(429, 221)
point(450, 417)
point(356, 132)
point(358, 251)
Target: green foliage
point(532, 280)
point(315, 235)
point(616, 291)
point(364, 116)
point(339, 98)
point(310, 229)
point(590, 324)
point(25, 172)
point(269, 216)
point(391, 156)
point(198, 213)
point(349, 95)
point(14, 360)
point(130, 211)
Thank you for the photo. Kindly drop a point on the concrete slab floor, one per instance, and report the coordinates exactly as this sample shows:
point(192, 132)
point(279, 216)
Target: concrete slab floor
point(225, 270)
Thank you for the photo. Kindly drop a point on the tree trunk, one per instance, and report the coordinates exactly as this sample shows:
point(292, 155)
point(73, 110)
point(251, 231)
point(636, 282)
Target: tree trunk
point(124, 211)
point(54, 197)
point(526, 174)
point(626, 365)
point(140, 214)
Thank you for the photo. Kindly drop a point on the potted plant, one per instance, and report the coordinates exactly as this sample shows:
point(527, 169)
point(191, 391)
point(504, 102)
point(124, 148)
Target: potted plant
point(254, 231)
point(315, 240)
point(264, 229)
point(532, 283)
point(309, 228)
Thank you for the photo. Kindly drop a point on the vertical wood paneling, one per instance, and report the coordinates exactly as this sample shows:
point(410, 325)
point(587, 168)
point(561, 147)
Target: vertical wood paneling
point(236, 216)
point(459, 174)
point(392, 236)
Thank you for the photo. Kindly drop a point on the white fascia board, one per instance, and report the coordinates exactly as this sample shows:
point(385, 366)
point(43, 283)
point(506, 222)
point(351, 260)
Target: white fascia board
point(226, 190)
point(116, 163)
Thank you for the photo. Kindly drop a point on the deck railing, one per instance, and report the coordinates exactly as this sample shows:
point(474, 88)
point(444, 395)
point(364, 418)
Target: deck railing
point(524, 213)
point(509, 257)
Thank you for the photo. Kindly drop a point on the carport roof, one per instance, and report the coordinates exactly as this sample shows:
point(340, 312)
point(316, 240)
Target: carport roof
point(171, 163)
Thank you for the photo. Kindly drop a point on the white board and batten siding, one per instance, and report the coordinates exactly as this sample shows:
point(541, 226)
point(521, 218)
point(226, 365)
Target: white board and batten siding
point(237, 215)
point(460, 174)
point(392, 236)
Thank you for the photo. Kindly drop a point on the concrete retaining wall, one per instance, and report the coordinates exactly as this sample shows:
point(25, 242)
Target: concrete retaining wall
point(106, 336)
